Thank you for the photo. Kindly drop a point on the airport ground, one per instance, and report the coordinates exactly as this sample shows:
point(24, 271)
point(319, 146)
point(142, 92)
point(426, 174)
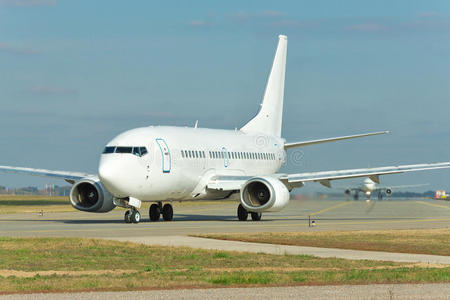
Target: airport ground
point(200, 218)
point(209, 217)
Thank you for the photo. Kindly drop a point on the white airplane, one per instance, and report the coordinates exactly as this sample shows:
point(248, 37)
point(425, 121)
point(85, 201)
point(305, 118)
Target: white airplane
point(369, 187)
point(162, 164)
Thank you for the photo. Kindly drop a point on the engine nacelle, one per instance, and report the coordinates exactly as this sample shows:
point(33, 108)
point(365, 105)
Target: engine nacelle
point(348, 191)
point(388, 192)
point(261, 194)
point(90, 195)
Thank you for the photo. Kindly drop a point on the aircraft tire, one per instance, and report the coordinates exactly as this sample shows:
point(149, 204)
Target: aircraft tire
point(167, 212)
point(127, 216)
point(242, 213)
point(154, 212)
point(135, 217)
point(256, 216)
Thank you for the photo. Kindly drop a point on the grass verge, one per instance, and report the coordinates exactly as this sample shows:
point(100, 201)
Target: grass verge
point(71, 264)
point(422, 241)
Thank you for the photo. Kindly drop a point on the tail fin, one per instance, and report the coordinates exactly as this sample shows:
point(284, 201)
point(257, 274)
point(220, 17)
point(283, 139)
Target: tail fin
point(269, 118)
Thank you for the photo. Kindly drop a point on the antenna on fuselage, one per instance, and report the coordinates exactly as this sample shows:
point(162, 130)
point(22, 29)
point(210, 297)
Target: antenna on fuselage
point(196, 124)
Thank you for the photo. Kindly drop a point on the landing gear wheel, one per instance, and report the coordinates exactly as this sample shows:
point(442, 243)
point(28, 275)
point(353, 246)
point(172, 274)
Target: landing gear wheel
point(256, 216)
point(242, 213)
point(135, 216)
point(128, 216)
point(167, 212)
point(154, 212)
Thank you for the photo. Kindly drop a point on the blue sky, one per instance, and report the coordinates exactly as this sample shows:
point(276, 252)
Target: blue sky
point(73, 74)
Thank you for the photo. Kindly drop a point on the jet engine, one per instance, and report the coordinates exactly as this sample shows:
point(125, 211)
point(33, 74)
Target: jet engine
point(388, 192)
point(348, 192)
point(260, 194)
point(90, 195)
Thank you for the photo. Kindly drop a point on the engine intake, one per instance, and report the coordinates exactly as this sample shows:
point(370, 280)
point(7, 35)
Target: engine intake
point(89, 195)
point(261, 194)
point(388, 192)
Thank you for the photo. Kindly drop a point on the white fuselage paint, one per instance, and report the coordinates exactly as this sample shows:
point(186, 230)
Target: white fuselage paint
point(369, 186)
point(167, 174)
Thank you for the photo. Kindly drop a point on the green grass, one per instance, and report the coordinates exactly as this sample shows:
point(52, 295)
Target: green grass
point(69, 264)
point(421, 241)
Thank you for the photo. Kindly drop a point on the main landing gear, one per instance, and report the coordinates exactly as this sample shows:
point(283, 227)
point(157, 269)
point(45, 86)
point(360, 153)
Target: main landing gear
point(155, 211)
point(242, 214)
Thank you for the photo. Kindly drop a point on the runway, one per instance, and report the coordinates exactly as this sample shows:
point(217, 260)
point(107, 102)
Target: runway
point(329, 215)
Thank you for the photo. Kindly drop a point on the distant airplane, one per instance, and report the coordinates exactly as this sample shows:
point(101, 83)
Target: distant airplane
point(164, 164)
point(370, 187)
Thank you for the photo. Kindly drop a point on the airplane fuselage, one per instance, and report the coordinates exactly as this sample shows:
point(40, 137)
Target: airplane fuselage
point(180, 161)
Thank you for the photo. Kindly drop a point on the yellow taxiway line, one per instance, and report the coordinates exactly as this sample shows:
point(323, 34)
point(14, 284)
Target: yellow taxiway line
point(329, 208)
point(432, 204)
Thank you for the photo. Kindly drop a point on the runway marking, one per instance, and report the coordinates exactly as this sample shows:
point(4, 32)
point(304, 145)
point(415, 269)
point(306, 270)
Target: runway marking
point(329, 208)
point(432, 204)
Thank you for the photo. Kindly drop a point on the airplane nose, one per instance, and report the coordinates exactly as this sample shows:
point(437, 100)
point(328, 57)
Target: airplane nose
point(111, 175)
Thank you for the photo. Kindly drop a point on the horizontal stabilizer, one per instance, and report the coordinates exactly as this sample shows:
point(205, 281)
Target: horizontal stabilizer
point(313, 142)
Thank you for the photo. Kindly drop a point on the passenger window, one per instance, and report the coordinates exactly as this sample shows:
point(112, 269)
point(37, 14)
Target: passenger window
point(182, 153)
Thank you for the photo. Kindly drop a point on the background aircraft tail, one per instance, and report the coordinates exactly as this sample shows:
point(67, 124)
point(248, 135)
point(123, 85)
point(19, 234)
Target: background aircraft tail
point(269, 118)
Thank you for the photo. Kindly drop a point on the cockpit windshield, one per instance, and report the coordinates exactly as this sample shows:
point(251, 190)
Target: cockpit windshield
point(124, 149)
point(138, 151)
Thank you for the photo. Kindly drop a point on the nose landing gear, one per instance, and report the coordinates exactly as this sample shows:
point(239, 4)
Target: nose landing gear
point(132, 216)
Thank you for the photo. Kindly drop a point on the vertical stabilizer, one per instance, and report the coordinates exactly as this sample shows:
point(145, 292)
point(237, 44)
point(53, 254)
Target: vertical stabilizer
point(269, 118)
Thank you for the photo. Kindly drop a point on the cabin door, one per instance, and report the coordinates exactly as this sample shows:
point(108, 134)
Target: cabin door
point(165, 155)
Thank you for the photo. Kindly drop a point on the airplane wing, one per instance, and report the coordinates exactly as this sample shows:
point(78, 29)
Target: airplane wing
point(373, 173)
point(313, 142)
point(229, 183)
point(70, 177)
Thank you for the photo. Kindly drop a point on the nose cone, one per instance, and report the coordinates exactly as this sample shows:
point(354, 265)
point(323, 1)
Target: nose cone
point(115, 175)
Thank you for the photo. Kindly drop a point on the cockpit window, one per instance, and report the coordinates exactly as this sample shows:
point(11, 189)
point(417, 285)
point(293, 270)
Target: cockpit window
point(109, 150)
point(143, 151)
point(124, 149)
point(138, 151)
